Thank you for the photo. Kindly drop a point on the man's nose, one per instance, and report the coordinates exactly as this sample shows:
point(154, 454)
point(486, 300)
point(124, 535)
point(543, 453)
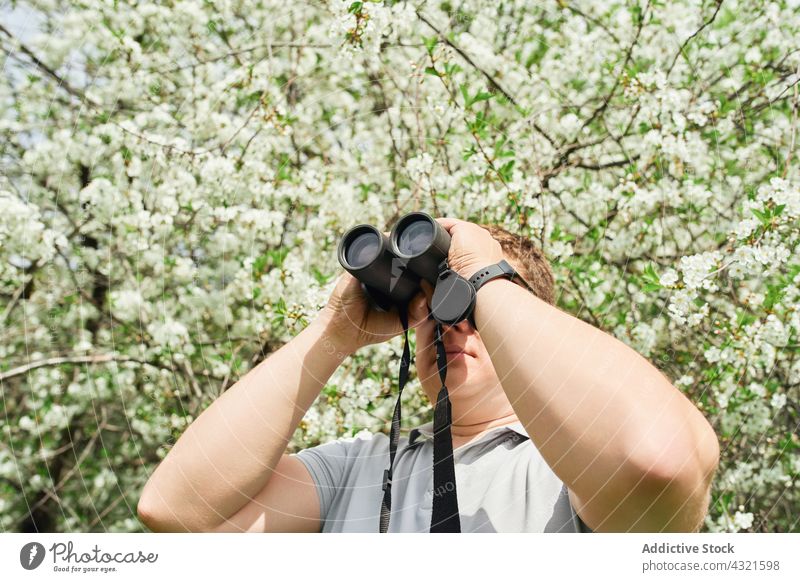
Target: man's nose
point(461, 327)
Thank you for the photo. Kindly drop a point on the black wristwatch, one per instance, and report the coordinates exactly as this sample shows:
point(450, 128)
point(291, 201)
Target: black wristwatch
point(454, 296)
point(483, 276)
point(501, 269)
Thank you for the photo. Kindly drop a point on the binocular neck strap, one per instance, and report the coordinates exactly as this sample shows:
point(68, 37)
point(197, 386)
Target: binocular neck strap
point(394, 434)
point(444, 516)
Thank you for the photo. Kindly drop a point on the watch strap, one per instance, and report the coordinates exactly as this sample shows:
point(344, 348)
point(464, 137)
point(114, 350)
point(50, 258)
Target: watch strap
point(486, 274)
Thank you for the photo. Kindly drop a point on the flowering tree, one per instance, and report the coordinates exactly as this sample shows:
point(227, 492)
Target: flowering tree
point(175, 178)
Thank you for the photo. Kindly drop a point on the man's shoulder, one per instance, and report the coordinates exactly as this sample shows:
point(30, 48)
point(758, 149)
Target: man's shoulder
point(361, 442)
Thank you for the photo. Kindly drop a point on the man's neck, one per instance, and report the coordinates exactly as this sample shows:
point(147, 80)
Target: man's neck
point(461, 429)
point(462, 433)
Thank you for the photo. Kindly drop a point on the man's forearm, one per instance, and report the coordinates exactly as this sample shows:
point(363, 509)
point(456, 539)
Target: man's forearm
point(228, 453)
point(600, 414)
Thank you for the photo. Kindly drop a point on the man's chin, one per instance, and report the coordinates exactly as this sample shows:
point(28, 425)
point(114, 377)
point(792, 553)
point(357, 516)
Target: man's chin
point(457, 376)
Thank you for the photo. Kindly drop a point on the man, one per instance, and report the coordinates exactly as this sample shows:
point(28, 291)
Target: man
point(557, 426)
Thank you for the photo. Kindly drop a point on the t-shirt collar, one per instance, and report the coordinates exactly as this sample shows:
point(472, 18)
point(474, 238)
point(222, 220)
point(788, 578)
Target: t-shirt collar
point(427, 429)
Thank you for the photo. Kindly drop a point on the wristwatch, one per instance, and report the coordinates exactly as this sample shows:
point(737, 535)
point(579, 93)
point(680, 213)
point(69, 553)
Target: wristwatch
point(483, 276)
point(501, 269)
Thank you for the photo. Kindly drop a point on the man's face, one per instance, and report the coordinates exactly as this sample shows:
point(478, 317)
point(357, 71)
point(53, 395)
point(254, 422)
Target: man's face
point(469, 367)
point(470, 371)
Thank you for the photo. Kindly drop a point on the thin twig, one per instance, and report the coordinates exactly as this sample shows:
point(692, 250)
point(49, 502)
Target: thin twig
point(698, 31)
point(43, 67)
point(628, 55)
point(492, 81)
point(794, 129)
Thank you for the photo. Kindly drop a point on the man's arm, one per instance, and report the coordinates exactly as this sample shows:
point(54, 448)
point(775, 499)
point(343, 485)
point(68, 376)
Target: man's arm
point(228, 471)
point(634, 452)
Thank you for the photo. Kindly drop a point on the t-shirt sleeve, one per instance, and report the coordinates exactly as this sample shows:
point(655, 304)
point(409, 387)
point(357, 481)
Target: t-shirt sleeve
point(327, 464)
point(341, 467)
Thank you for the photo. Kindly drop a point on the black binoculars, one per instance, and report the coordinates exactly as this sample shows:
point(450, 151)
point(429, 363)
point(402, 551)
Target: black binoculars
point(390, 268)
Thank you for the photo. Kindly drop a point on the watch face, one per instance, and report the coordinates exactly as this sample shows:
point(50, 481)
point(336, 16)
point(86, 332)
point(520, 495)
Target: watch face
point(453, 298)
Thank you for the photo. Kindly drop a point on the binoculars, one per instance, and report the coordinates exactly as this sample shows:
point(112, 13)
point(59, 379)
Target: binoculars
point(390, 268)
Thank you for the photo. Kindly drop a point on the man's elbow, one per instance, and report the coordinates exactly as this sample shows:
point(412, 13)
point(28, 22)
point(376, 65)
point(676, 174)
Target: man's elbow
point(157, 517)
point(680, 484)
point(152, 517)
point(148, 517)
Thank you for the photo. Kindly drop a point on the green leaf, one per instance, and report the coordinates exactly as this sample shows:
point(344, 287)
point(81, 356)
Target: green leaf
point(479, 125)
point(506, 171)
point(319, 276)
point(451, 68)
point(432, 71)
point(762, 216)
point(465, 94)
point(481, 96)
point(470, 101)
point(772, 297)
point(355, 7)
point(650, 279)
point(430, 43)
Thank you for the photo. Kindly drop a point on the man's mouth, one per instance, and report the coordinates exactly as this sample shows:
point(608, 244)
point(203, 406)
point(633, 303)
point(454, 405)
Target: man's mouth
point(457, 351)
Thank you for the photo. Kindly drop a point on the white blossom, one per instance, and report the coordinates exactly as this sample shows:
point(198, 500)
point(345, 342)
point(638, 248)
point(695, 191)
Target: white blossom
point(742, 520)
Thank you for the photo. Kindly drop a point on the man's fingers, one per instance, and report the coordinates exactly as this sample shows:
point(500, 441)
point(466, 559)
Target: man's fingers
point(418, 310)
point(427, 288)
point(449, 223)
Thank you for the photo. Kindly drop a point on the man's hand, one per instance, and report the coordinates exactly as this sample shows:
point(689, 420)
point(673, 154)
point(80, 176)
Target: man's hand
point(353, 324)
point(471, 247)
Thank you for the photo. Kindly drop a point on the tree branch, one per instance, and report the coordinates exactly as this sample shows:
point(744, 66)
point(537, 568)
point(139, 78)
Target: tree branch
point(42, 66)
point(492, 81)
point(57, 361)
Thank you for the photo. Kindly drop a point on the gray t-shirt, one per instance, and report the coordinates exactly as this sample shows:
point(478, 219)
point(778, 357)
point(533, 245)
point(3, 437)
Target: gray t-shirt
point(503, 483)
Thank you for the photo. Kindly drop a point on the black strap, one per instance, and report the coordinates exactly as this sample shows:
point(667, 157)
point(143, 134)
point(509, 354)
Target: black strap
point(500, 269)
point(444, 517)
point(394, 434)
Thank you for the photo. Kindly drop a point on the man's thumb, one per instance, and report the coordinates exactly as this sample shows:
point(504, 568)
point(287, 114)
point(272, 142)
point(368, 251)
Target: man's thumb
point(418, 310)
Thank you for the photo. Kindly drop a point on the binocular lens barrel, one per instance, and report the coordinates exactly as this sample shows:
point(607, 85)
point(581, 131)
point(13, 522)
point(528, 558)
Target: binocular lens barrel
point(415, 237)
point(363, 249)
point(365, 253)
point(423, 242)
point(390, 268)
